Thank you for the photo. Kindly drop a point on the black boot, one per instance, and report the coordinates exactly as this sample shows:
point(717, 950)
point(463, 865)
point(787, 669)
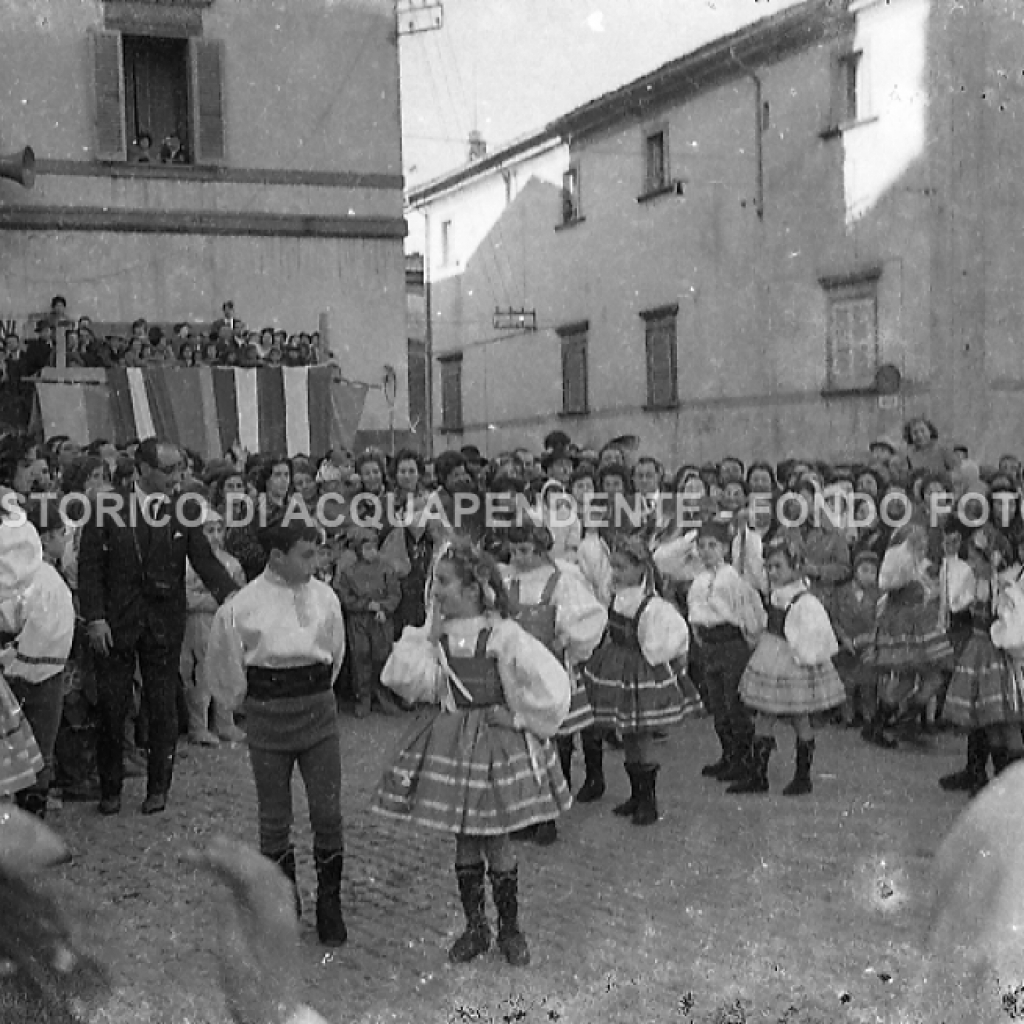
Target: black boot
point(741, 752)
point(801, 782)
point(476, 939)
point(330, 925)
point(33, 801)
point(646, 812)
point(628, 808)
point(546, 833)
point(757, 780)
point(286, 862)
point(593, 758)
point(874, 731)
point(511, 941)
point(564, 745)
point(974, 774)
point(714, 771)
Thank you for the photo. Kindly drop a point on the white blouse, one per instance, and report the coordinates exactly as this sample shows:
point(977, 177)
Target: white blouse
point(723, 597)
point(271, 624)
point(580, 619)
point(593, 560)
point(662, 631)
point(808, 628)
point(537, 688)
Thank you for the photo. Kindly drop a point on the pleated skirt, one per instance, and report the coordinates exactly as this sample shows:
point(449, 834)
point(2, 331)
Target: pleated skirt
point(453, 772)
point(775, 684)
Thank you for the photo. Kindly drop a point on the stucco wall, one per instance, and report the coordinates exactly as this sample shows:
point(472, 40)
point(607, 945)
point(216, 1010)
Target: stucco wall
point(310, 86)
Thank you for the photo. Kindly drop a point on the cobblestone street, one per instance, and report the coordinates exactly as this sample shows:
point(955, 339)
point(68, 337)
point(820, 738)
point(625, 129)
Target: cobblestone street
point(731, 909)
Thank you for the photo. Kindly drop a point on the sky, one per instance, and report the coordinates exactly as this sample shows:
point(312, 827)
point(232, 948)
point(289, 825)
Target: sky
point(508, 67)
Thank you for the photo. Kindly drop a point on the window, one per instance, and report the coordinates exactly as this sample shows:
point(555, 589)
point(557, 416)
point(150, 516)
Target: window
point(446, 243)
point(451, 393)
point(852, 332)
point(655, 160)
point(575, 399)
point(662, 356)
point(571, 195)
point(417, 382)
point(156, 92)
point(160, 85)
point(848, 104)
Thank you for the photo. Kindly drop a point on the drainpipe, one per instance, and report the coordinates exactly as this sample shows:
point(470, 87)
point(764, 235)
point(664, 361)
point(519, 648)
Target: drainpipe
point(428, 340)
point(758, 148)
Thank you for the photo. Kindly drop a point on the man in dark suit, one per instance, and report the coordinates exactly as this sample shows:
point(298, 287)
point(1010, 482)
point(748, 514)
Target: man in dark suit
point(131, 585)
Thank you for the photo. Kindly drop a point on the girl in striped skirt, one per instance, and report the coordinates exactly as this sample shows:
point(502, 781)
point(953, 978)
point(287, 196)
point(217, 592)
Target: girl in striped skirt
point(790, 675)
point(630, 679)
point(20, 758)
point(986, 690)
point(553, 603)
point(481, 766)
point(912, 648)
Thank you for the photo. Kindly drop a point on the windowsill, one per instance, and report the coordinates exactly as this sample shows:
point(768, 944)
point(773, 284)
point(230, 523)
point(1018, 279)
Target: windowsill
point(574, 415)
point(126, 169)
point(839, 392)
point(671, 188)
point(452, 430)
point(667, 407)
point(566, 224)
point(834, 130)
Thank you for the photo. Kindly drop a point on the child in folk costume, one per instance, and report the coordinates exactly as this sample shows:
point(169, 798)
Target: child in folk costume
point(630, 679)
point(481, 767)
point(791, 675)
point(854, 606)
point(20, 759)
point(37, 618)
point(552, 602)
point(912, 649)
point(727, 617)
point(986, 690)
point(278, 645)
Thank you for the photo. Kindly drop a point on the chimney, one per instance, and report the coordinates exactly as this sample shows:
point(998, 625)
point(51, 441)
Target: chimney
point(477, 146)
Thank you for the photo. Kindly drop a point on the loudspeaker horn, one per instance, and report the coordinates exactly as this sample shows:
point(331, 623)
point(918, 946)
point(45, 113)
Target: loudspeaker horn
point(19, 167)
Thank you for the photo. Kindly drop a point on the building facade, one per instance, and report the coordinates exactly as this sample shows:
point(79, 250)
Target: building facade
point(285, 194)
point(784, 243)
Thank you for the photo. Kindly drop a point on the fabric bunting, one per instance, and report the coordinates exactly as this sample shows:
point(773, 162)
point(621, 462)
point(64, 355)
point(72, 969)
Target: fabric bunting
point(295, 410)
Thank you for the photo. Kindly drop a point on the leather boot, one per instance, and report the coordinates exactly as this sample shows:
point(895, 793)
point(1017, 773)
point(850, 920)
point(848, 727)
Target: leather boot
point(593, 758)
point(33, 801)
point(714, 771)
point(330, 925)
point(511, 941)
point(975, 774)
point(286, 862)
point(564, 745)
point(874, 731)
point(757, 780)
point(740, 754)
point(646, 812)
point(628, 808)
point(476, 939)
point(801, 782)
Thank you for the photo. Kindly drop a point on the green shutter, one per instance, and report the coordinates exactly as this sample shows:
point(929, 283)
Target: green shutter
point(207, 71)
point(108, 93)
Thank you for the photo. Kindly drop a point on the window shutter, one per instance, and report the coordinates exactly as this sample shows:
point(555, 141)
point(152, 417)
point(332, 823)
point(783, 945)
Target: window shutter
point(108, 87)
point(661, 362)
point(451, 394)
point(574, 374)
point(207, 68)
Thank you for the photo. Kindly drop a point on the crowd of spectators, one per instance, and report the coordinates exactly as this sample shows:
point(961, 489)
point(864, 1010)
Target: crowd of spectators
point(225, 342)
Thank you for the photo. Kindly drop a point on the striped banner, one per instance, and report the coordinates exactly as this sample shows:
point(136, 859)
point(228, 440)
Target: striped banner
point(290, 410)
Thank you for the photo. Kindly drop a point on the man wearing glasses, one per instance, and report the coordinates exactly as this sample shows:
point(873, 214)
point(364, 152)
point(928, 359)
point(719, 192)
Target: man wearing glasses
point(131, 579)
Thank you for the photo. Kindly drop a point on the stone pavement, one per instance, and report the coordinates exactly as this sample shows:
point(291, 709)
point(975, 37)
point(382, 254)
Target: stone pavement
point(729, 910)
